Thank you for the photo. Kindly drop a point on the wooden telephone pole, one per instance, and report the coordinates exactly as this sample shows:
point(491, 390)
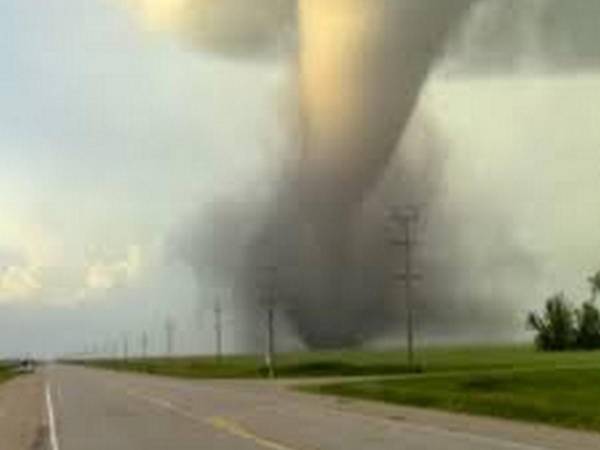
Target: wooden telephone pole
point(144, 344)
point(406, 220)
point(218, 332)
point(269, 293)
point(169, 335)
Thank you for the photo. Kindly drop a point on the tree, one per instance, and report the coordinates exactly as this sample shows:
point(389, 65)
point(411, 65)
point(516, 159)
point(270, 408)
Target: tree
point(588, 326)
point(555, 326)
point(594, 282)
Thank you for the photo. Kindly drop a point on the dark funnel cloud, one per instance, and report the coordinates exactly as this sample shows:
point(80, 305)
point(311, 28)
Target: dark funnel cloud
point(362, 65)
point(320, 247)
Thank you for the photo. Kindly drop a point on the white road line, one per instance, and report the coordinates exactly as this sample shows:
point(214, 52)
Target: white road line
point(51, 421)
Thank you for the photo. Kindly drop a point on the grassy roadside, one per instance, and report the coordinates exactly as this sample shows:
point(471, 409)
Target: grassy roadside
point(288, 366)
point(6, 372)
point(511, 382)
point(563, 397)
point(354, 363)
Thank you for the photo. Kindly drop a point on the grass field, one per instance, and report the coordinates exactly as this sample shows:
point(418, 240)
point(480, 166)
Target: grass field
point(355, 363)
point(565, 397)
point(6, 372)
point(288, 366)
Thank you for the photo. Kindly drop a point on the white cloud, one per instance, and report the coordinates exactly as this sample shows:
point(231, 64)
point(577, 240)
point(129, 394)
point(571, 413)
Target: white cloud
point(105, 275)
point(19, 282)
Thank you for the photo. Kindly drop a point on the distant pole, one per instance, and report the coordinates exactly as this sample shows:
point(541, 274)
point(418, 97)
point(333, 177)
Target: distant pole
point(125, 347)
point(270, 351)
point(271, 340)
point(407, 218)
point(218, 332)
point(144, 344)
point(169, 335)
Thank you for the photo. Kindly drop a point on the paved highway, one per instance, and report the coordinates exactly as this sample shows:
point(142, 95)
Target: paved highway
point(99, 410)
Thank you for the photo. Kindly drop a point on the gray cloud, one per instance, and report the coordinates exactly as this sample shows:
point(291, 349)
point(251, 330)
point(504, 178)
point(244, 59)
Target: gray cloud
point(504, 36)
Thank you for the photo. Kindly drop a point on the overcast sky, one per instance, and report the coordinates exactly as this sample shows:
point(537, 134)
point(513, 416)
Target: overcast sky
point(111, 137)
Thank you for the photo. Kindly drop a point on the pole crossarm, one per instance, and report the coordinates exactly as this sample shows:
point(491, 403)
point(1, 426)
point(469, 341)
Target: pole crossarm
point(403, 277)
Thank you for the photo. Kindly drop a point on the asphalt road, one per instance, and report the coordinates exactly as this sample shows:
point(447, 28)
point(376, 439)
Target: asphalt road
point(99, 410)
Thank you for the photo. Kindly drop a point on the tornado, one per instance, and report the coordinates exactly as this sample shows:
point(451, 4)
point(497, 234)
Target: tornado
point(360, 66)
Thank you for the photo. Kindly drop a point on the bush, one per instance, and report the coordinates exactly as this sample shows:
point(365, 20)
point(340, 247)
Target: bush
point(555, 327)
point(588, 327)
point(560, 327)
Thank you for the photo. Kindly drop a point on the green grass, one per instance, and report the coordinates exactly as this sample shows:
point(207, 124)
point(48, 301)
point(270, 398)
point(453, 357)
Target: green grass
point(357, 363)
point(288, 366)
point(6, 372)
point(563, 397)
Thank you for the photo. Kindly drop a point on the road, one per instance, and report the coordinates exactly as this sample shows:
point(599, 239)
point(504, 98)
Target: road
point(98, 410)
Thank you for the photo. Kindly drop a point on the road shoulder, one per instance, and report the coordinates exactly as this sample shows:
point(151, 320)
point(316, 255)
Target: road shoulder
point(521, 433)
point(22, 413)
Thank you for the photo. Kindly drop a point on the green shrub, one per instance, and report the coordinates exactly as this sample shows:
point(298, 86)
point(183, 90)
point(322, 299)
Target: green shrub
point(561, 327)
point(555, 327)
point(588, 327)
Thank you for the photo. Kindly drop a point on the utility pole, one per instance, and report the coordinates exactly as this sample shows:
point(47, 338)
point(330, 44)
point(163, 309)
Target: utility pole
point(125, 346)
point(271, 340)
point(169, 335)
point(270, 294)
point(144, 344)
point(406, 219)
point(218, 331)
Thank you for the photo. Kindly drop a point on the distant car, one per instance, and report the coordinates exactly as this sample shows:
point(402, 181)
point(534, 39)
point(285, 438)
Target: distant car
point(25, 366)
